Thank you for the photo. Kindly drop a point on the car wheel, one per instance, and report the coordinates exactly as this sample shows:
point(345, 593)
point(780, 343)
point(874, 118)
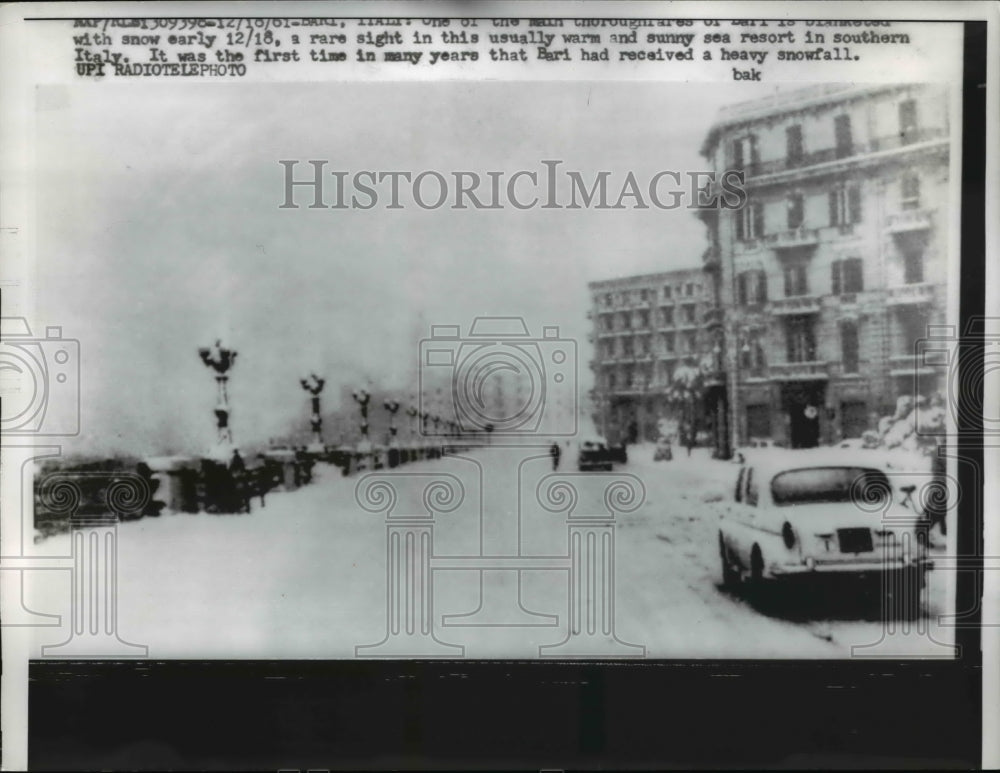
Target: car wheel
point(758, 590)
point(730, 577)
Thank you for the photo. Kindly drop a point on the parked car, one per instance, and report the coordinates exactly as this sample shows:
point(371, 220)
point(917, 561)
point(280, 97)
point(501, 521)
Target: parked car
point(618, 452)
point(828, 514)
point(664, 451)
point(593, 454)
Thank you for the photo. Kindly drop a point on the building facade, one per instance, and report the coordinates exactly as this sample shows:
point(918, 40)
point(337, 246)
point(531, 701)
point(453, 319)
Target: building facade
point(644, 328)
point(822, 285)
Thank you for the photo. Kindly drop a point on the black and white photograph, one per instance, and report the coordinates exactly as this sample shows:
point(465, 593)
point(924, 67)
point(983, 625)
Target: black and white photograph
point(469, 338)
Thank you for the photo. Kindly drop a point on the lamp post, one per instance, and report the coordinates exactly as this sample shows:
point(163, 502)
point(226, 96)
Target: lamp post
point(221, 360)
point(314, 385)
point(363, 398)
point(392, 406)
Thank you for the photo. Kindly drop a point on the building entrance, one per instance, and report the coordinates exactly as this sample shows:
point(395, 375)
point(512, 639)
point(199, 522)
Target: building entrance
point(803, 402)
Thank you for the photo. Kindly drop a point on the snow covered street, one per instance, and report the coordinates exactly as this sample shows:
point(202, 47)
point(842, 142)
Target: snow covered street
point(305, 576)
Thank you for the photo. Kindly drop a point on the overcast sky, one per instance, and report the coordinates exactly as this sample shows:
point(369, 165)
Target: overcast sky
point(159, 230)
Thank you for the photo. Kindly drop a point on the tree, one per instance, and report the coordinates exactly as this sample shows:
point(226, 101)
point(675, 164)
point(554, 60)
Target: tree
point(685, 393)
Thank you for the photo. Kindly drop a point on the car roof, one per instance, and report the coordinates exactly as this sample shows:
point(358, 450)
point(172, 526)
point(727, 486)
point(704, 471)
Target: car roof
point(772, 461)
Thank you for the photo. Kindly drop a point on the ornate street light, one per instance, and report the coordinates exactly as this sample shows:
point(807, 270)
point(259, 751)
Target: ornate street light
point(362, 398)
point(314, 385)
point(413, 413)
point(392, 406)
point(221, 360)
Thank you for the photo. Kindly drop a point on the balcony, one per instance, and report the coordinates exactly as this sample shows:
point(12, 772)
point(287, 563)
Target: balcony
point(905, 139)
point(796, 237)
point(801, 304)
point(800, 371)
point(909, 295)
point(910, 220)
point(784, 164)
point(828, 155)
point(908, 365)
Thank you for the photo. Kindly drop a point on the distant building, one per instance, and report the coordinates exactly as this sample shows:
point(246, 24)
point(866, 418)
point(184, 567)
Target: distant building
point(644, 328)
point(822, 285)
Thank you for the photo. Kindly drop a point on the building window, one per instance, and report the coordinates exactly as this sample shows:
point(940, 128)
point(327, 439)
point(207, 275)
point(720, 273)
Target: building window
point(750, 222)
point(643, 319)
point(847, 276)
point(689, 289)
point(744, 152)
point(608, 301)
point(690, 342)
point(668, 343)
point(666, 292)
point(611, 381)
point(842, 133)
point(796, 211)
point(913, 267)
point(689, 314)
point(668, 317)
point(793, 145)
point(759, 421)
point(849, 346)
point(913, 329)
point(626, 322)
point(643, 295)
point(845, 205)
point(800, 339)
point(751, 355)
point(910, 192)
point(796, 279)
point(853, 418)
point(751, 288)
point(907, 122)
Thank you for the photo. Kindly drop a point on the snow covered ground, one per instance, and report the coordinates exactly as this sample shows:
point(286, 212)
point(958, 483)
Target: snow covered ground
point(305, 576)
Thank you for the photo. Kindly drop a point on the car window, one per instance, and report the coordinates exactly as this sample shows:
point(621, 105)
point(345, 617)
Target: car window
point(739, 484)
point(751, 488)
point(865, 486)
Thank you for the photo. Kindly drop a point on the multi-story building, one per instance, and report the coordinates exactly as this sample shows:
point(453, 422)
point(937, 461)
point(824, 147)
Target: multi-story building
point(645, 327)
point(824, 282)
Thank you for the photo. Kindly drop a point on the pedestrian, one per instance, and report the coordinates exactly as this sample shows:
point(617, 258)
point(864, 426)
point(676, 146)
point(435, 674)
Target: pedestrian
point(555, 452)
point(238, 474)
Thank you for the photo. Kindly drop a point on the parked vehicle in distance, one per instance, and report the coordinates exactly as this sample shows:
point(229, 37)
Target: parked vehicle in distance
point(825, 513)
point(618, 452)
point(593, 454)
point(664, 451)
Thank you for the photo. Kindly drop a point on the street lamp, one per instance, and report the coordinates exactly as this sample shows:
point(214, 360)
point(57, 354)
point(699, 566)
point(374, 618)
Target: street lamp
point(412, 412)
point(392, 406)
point(362, 398)
point(314, 385)
point(221, 360)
